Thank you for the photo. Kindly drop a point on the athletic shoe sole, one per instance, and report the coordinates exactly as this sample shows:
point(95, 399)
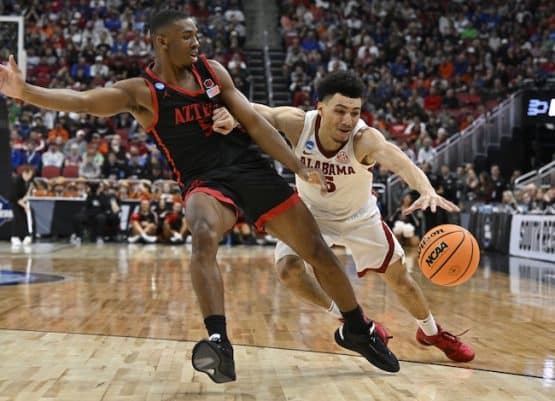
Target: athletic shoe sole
point(207, 359)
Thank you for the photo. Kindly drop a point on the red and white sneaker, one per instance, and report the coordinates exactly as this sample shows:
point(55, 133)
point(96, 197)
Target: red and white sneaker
point(450, 344)
point(382, 332)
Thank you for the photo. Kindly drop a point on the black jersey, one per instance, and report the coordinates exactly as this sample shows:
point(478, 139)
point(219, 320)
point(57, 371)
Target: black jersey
point(183, 127)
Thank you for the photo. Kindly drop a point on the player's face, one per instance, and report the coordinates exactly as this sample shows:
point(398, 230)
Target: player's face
point(339, 115)
point(181, 43)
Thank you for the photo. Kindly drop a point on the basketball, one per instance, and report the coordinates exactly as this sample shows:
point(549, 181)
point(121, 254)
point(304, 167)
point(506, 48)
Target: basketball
point(448, 255)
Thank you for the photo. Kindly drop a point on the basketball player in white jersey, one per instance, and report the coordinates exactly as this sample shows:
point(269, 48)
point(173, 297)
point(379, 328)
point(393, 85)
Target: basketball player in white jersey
point(336, 140)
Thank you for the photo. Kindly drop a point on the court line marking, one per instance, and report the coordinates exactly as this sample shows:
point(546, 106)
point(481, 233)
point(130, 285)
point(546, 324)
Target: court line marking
point(289, 349)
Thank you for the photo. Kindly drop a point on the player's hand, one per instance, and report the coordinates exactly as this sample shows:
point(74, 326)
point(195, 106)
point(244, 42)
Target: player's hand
point(11, 79)
point(313, 176)
point(431, 200)
point(223, 121)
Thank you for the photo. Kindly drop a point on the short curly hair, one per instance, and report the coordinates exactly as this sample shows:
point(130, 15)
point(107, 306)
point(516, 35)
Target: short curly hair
point(345, 83)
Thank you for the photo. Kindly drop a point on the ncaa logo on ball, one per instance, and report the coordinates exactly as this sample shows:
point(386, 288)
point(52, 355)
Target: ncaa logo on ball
point(436, 253)
point(425, 240)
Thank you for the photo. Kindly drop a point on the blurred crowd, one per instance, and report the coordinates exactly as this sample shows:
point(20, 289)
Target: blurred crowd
point(430, 67)
point(469, 191)
point(83, 44)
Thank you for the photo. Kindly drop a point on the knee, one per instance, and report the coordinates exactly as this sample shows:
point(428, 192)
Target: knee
point(319, 255)
point(289, 269)
point(205, 237)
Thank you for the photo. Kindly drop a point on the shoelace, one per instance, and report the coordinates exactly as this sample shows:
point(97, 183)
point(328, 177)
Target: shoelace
point(453, 337)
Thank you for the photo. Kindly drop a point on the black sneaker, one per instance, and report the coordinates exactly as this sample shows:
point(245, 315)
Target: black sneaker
point(370, 346)
point(215, 358)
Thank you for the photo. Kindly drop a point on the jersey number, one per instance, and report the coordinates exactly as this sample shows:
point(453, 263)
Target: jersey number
point(330, 185)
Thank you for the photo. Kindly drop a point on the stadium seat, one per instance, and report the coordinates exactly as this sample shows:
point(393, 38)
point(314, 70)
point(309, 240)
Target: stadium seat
point(70, 172)
point(51, 171)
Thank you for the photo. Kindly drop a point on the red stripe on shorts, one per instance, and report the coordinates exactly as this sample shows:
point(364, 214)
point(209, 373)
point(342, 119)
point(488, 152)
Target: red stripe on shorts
point(388, 256)
point(214, 193)
point(276, 211)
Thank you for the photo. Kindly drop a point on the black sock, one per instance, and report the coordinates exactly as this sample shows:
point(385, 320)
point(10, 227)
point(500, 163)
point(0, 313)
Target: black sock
point(215, 324)
point(355, 321)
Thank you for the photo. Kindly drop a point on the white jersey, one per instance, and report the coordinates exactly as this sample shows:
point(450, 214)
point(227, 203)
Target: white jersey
point(349, 182)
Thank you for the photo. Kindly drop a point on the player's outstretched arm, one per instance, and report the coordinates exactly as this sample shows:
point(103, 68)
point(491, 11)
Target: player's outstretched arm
point(376, 148)
point(286, 119)
point(99, 101)
point(265, 135)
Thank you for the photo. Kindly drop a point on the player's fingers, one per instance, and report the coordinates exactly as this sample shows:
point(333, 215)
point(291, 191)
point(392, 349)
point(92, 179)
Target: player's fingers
point(449, 206)
point(218, 113)
point(433, 205)
point(220, 129)
point(415, 205)
point(11, 61)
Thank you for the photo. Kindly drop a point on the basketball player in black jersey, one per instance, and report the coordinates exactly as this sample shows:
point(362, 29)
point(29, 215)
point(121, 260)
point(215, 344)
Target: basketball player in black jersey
point(177, 101)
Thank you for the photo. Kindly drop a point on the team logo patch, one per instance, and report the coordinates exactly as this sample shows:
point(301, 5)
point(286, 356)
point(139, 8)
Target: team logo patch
point(160, 86)
point(308, 147)
point(6, 213)
point(208, 83)
point(342, 157)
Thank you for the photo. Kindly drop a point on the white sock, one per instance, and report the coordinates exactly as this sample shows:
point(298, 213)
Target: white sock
point(428, 325)
point(334, 310)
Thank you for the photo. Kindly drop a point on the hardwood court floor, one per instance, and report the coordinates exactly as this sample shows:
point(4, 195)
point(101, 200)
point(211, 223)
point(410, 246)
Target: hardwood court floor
point(123, 323)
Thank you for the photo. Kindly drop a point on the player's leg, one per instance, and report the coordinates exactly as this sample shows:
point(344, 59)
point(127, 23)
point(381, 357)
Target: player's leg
point(375, 248)
point(208, 220)
point(297, 228)
point(294, 274)
point(407, 290)
point(412, 298)
point(299, 278)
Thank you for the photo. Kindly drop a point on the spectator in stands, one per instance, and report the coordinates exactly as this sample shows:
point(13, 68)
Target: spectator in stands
point(498, 184)
point(100, 213)
point(408, 151)
point(73, 158)
point(447, 187)
point(112, 169)
point(89, 168)
point(509, 203)
point(143, 225)
point(485, 188)
point(516, 173)
point(20, 191)
point(99, 69)
point(174, 225)
point(242, 234)
point(135, 163)
point(32, 156)
point(426, 153)
point(138, 47)
point(53, 156)
point(58, 132)
point(407, 228)
point(78, 140)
